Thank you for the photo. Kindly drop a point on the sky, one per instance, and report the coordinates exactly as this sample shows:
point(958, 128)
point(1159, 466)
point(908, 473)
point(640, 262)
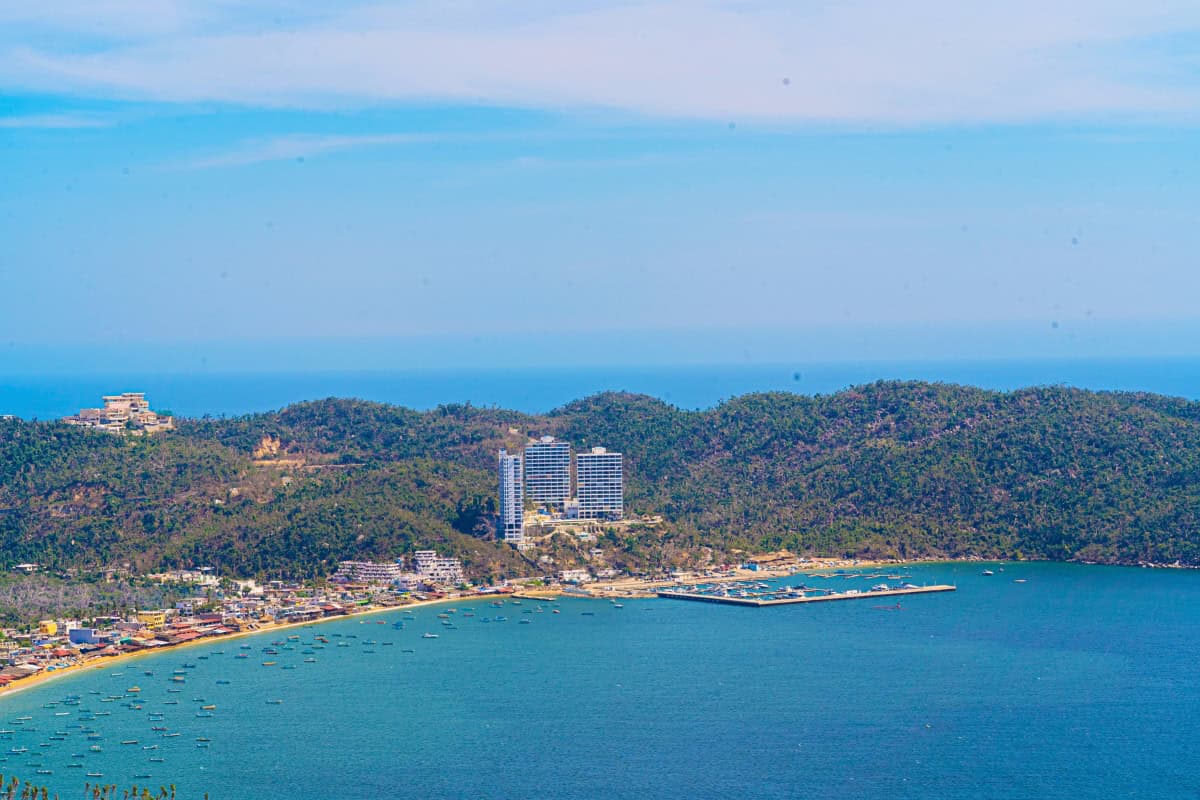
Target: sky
point(543, 182)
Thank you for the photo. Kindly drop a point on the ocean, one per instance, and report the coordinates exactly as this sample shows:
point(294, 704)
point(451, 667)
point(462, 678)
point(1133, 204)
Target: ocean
point(540, 390)
point(1079, 683)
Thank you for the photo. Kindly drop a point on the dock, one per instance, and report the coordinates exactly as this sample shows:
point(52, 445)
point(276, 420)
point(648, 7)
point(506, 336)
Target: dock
point(783, 601)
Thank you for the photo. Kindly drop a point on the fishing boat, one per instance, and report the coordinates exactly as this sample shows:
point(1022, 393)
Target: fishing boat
point(268, 663)
point(209, 708)
point(429, 635)
point(130, 741)
point(987, 572)
point(95, 774)
point(275, 702)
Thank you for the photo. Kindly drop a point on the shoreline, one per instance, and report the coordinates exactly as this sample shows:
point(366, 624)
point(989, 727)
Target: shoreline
point(629, 588)
point(103, 662)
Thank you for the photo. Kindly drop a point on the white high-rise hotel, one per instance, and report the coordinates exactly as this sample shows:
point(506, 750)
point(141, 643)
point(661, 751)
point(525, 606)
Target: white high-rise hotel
point(548, 471)
point(599, 484)
point(512, 500)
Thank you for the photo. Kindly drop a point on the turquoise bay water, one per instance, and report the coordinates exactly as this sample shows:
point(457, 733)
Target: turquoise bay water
point(1080, 683)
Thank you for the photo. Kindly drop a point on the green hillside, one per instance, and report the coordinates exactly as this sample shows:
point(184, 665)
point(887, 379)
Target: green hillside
point(890, 469)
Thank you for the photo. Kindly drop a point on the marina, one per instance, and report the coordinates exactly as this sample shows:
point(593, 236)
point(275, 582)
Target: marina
point(764, 595)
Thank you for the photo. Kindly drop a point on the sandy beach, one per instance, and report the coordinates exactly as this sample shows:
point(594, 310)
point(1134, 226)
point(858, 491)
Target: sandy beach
point(105, 662)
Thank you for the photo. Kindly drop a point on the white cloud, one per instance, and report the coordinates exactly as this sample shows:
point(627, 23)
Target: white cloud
point(871, 61)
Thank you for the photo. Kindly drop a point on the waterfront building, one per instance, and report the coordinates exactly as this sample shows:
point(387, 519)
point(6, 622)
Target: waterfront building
point(437, 569)
point(548, 472)
point(83, 635)
point(368, 571)
point(152, 619)
point(575, 576)
point(512, 509)
point(600, 484)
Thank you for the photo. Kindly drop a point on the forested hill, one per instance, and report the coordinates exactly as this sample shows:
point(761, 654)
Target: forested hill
point(889, 469)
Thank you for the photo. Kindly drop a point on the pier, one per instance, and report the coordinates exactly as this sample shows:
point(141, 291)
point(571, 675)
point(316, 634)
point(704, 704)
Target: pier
point(680, 594)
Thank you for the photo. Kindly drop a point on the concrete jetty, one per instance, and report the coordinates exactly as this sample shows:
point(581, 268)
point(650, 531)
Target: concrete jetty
point(701, 597)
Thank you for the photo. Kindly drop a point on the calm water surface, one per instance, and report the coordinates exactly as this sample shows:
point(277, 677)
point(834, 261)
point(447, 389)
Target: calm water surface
point(1080, 683)
point(540, 390)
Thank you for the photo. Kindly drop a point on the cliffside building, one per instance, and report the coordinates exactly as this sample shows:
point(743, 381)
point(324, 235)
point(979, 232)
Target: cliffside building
point(126, 413)
point(512, 509)
point(548, 472)
point(600, 484)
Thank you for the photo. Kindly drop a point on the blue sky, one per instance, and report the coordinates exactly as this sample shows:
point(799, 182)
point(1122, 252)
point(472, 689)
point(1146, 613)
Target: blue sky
point(513, 180)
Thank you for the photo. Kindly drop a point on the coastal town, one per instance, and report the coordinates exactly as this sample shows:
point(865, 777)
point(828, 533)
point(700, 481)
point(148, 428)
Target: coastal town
point(217, 608)
point(543, 491)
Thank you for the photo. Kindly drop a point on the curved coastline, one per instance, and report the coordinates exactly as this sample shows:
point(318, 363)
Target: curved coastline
point(103, 662)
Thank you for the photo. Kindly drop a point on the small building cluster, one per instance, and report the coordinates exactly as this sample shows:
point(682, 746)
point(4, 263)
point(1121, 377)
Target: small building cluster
point(542, 477)
point(368, 572)
point(429, 571)
point(125, 413)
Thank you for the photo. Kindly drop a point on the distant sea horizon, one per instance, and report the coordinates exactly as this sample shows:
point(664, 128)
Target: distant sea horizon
point(538, 390)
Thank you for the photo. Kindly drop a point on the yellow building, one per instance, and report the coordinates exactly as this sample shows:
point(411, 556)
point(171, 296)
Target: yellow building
point(152, 619)
point(48, 627)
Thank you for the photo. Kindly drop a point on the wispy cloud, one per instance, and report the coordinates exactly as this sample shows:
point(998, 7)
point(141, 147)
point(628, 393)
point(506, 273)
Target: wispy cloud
point(296, 146)
point(870, 61)
point(63, 121)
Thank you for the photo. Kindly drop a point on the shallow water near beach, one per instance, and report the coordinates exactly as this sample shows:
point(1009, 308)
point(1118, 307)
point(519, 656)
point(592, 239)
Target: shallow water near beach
point(1080, 682)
